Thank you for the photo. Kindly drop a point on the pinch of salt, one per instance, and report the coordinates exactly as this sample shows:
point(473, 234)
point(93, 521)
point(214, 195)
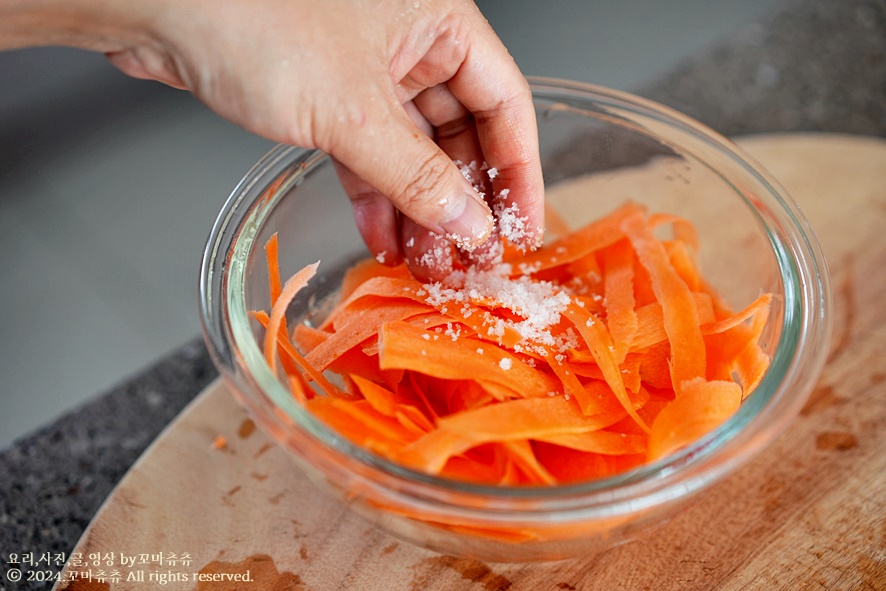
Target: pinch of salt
point(492, 172)
point(505, 364)
point(511, 225)
point(538, 303)
point(467, 170)
point(436, 258)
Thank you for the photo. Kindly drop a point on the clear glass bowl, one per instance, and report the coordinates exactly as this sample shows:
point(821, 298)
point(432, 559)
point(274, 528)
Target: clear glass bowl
point(599, 148)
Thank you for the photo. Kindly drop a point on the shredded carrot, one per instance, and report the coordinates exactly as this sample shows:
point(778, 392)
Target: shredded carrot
point(603, 350)
point(678, 306)
point(220, 442)
point(621, 312)
point(591, 238)
point(699, 408)
point(272, 250)
point(272, 331)
point(555, 222)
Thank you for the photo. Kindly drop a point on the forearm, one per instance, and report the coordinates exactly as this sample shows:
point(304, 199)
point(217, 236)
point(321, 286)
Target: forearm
point(98, 25)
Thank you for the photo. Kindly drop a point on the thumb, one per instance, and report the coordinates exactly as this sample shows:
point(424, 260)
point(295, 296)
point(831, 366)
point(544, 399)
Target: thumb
point(402, 163)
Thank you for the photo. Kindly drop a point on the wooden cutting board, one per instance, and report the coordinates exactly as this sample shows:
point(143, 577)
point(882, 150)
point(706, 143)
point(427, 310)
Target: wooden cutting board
point(809, 513)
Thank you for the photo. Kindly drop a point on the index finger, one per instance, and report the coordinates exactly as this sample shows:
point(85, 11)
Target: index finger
point(490, 85)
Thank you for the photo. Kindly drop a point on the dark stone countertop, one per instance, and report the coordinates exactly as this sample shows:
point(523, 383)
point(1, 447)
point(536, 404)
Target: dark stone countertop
point(817, 65)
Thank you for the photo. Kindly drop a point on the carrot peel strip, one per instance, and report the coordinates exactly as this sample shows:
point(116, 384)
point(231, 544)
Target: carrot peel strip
point(600, 344)
point(701, 407)
point(678, 307)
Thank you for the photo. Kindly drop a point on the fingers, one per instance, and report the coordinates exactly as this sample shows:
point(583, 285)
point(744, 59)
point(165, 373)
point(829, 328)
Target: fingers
point(429, 255)
point(468, 91)
point(145, 64)
point(456, 135)
point(390, 153)
point(377, 220)
point(375, 216)
point(491, 87)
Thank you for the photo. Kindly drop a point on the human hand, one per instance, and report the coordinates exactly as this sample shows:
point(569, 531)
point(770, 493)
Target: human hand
point(394, 91)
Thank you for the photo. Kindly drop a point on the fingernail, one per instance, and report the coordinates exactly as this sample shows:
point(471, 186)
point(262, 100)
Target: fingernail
point(472, 226)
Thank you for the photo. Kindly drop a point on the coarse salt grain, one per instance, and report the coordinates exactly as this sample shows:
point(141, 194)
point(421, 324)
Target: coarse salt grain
point(380, 257)
point(492, 172)
point(538, 304)
point(438, 257)
point(467, 170)
point(511, 225)
point(505, 364)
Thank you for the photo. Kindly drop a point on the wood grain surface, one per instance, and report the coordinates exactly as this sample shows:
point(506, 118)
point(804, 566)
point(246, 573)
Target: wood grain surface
point(808, 513)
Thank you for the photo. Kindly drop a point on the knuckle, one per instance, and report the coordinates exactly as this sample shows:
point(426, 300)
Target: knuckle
point(514, 99)
point(454, 128)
